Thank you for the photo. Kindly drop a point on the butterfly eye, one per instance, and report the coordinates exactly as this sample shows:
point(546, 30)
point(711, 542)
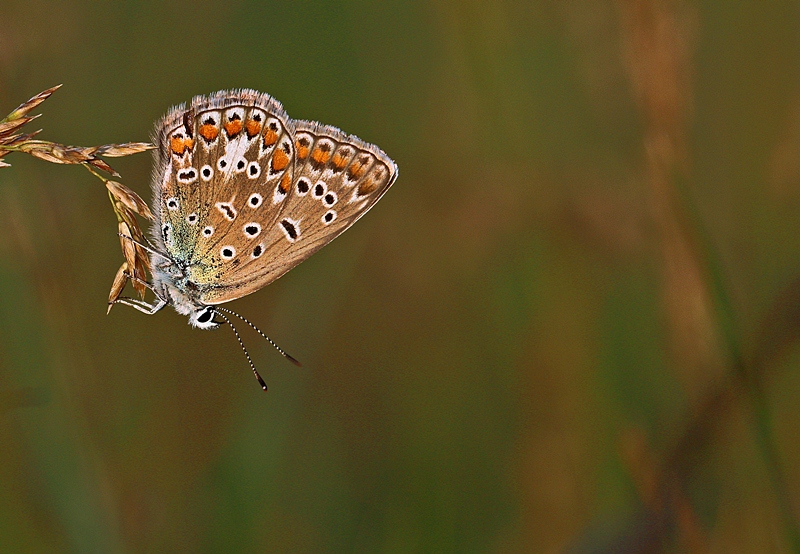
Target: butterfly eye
point(172, 204)
point(191, 219)
point(206, 172)
point(227, 252)
point(206, 316)
point(241, 163)
point(208, 231)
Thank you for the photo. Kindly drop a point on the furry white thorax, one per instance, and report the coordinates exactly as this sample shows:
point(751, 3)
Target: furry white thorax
point(173, 286)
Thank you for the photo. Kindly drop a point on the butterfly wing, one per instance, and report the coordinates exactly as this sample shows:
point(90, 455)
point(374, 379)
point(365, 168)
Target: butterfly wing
point(221, 157)
point(337, 179)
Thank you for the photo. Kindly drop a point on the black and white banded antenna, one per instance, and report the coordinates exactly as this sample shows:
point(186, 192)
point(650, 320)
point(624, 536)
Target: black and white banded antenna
point(246, 353)
point(260, 332)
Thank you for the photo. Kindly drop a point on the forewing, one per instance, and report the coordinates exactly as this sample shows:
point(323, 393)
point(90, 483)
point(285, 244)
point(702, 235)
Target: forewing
point(337, 179)
point(223, 159)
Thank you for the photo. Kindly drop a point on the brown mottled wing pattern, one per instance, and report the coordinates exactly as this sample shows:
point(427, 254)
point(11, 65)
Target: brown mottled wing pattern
point(337, 179)
point(223, 159)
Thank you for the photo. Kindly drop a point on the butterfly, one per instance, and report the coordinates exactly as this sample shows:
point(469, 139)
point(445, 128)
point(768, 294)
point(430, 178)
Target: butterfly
point(242, 194)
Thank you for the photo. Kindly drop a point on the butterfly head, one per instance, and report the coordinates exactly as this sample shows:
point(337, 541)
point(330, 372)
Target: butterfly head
point(203, 318)
point(182, 294)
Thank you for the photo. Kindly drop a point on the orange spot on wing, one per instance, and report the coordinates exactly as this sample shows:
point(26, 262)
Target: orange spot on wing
point(270, 137)
point(233, 128)
point(302, 150)
point(367, 187)
point(319, 156)
point(279, 160)
point(356, 171)
point(253, 127)
point(285, 182)
point(179, 145)
point(208, 132)
point(338, 162)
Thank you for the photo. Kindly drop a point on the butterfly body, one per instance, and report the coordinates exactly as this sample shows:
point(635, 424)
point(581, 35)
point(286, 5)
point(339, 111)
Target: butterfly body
point(242, 194)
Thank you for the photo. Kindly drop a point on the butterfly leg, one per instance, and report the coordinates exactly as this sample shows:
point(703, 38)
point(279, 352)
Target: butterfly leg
point(142, 281)
point(140, 305)
point(149, 286)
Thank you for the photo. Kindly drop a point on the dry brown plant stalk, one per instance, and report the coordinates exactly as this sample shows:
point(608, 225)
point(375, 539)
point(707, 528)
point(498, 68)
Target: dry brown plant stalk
point(125, 203)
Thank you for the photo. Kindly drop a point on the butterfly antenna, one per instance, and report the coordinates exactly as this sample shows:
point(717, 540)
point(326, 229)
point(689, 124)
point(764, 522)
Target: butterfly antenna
point(246, 353)
point(257, 330)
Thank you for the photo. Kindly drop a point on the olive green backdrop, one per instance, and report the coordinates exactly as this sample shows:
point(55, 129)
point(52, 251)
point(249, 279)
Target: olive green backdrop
point(569, 327)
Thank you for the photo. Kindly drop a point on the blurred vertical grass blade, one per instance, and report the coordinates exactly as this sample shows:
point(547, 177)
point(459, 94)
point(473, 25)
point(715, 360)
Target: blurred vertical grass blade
point(657, 35)
point(779, 330)
point(12, 399)
point(749, 373)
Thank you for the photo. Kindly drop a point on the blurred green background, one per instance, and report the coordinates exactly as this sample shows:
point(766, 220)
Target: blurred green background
point(569, 327)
